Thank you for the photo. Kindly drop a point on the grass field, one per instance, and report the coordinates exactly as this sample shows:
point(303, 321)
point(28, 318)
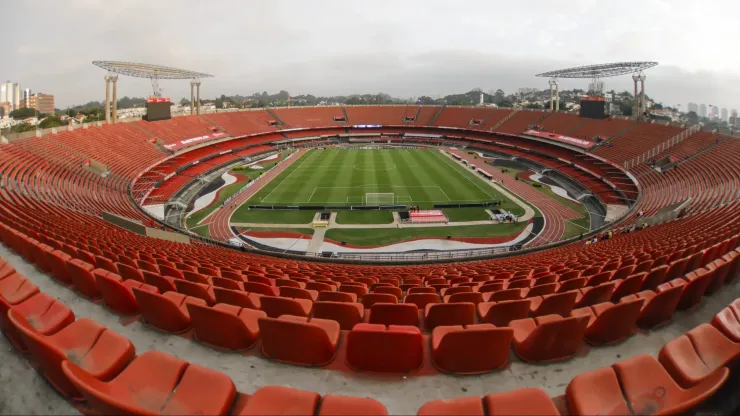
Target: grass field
point(343, 176)
point(381, 236)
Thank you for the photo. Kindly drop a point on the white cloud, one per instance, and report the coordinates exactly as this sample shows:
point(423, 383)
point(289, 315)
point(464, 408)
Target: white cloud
point(343, 46)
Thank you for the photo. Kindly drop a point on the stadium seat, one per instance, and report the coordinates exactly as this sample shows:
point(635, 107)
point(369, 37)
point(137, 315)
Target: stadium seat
point(83, 278)
point(118, 294)
point(225, 326)
point(692, 357)
point(14, 289)
point(196, 290)
point(337, 297)
point(163, 283)
point(728, 321)
point(276, 306)
point(95, 349)
point(555, 304)
point(696, 285)
point(58, 260)
point(508, 294)
point(279, 400)
point(638, 385)
point(471, 349)
point(628, 286)
point(593, 295)
point(443, 314)
point(371, 299)
point(42, 312)
point(155, 382)
point(466, 297)
point(548, 338)
point(609, 323)
point(299, 340)
point(654, 278)
point(394, 314)
point(237, 298)
point(377, 348)
point(527, 401)
point(421, 300)
point(658, 308)
point(395, 291)
point(348, 314)
point(167, 312)
point(503, 312)
point(260, 288)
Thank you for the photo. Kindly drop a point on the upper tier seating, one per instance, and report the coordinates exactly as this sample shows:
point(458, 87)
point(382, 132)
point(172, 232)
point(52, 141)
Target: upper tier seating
point(636, 141)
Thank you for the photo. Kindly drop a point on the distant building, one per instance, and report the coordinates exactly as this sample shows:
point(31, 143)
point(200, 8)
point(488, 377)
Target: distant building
point(693, 107)
point(714, 112)
point(26, 98)
point(6, 93)
point(724, 115)
point(702, 110)
point(43, 103)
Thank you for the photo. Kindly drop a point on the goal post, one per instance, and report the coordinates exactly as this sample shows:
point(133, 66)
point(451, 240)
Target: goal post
point(380, 198)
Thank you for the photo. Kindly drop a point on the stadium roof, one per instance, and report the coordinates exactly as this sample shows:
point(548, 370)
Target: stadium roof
point(148, 71)
point(600, 71)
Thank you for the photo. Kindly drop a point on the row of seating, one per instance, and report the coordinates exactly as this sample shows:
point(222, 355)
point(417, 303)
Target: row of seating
point(84, 361)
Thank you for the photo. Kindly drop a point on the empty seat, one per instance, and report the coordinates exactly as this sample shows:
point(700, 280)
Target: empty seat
point(395, 291)
point(542, 290)
point(593, 295)
point(548, 338)
point(347, 314)
point(721, 270)
point(555, 304)
point(527, 401)
point(95, 349)
point(608, 322)
point(278, 400)
point(394, 314)
point(471, 349)
point(260, 288)
point(508, 294)
point(421, 300)
point(392, 349)
point(155, 382)
point(237, 298)
point(697, 283)
point(638, 385)
point(697, 354)
point(442, 314)
point(196, 290)
point(163, 283)
point(371, 299)
point(118, 294)
point(503, 312)
point(83, 278)
point(654, 278)
point(423, 289)
point(14, 289)
point(628, 286)
point(299, 340)
point(167, 312)
point(728, 321)
point(276, 306)
point(58, 263)
point(225, 326)
point(337, 297)
point(467, 297)
point(658, 308)
point(42, 312)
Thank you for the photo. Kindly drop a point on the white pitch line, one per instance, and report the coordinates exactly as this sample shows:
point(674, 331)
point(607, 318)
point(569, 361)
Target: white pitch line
point(443, 191)
point(446, 159)
point(289, 175)
point(314, 191)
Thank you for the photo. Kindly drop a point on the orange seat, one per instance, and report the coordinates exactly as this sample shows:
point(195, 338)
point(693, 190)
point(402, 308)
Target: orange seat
point(593, 295)
point(421, 289)
point(697, 283)
point(278, 400)
point(609, 323)
point(156, 383)
point(297, 293)
point(196, 290)
point(542, 290)
point(654, 278)
point(471, 349)
point(548, 338)
point(225, 326)
point(628, 286)
point(337, 297)
point(442, 314)
point(14, 289)
point(58, 263)
point(320, 287)
point(260, 288)
point(276, 306)
point(395, 291)
point(372, 298)
point(335, 405)
point(98, 351)
point(527, 401)
point(721, 270)
point(237, 298)
point(394, 314)
point(347, 314)
point(83, 278)
point(118, 295)
point(466, 297)
point(358, 290)
point(728, 321)
point(555, 304)
point(167, 312)
point(45, 314)
point(503, 312)
point(508, 294)
point(299, 340)
point(454, 290)
point(377, 348)
point(658, 308)
point(421, 300)
point(163, 283)
point(692, 357)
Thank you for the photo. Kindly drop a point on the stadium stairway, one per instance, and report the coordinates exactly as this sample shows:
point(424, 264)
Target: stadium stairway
point(504, 120)
point(282, 124)
point(436, 116)
point(346, 116)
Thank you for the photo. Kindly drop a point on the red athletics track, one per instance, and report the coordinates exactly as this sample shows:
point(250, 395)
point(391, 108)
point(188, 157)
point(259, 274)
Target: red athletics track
point(219, 223)
point(555, 213)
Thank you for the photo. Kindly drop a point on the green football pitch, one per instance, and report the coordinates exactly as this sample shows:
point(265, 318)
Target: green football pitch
point(375, 176)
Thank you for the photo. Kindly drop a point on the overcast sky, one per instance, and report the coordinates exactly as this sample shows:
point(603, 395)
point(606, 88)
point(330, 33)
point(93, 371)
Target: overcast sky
point(402, 47)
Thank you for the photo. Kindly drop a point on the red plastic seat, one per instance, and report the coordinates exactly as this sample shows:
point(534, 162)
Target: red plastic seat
point(130, 273)
point(163, 283)
point(276, 306)
point(609, 323)
point(721, 270)
point(105, 264)
point(697, 354)
point(394, 314)
point(371, 299)
point(377, 348)
point(422, 289)
point(299, 340)
point(654, 278)
point(156, 383)
point(57, 261)
point(728, 321)
point(14, 289)
point(593, 295)
point(347, 314)
point(466, 297)
point(167, 312)
point(118, 294)
point(95, 349)
point(454, 290)
point(503, 312)
point(337, 297)
point(658, 308)
point(471, 349)
point(628, 286)
point(522, 402)
point(697, 283)
point(45, 314)
point(196, 290)
point(443, 314)
point(507, 294)
point(548, 338)
point(555, 304)
point(225, 326)
point(542, 290)
point(421, 300)
point(395, 291)
point(278, 400)
point(83, 278)
point(260, 288)
point(237, 298)
point(358, 290)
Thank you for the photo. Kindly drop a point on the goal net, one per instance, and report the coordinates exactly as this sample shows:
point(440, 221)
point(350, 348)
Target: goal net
point(374, 198)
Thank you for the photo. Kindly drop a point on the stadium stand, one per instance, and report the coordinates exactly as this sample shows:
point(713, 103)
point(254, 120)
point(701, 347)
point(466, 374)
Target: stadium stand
point(545, 305)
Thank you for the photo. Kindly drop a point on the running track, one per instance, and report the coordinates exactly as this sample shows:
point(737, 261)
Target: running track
point(219, 223)
point(555, 213)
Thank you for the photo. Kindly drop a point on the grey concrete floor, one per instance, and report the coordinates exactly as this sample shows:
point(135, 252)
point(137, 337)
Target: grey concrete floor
point(23, 391)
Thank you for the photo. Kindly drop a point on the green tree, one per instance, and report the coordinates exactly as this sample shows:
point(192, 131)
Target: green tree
point(692, 116)
point(184, 101)
point(50, 122)
point(22, 113)
point(22, 127)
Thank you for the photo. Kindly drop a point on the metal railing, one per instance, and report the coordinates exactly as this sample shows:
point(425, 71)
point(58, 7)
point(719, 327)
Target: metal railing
point(629, 164)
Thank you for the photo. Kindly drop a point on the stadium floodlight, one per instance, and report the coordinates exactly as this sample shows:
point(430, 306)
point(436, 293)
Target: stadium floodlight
point(596, 72)
point(153, 72)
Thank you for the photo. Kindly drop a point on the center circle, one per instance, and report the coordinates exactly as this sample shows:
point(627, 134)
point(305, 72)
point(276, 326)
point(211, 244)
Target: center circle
point(372, 167)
